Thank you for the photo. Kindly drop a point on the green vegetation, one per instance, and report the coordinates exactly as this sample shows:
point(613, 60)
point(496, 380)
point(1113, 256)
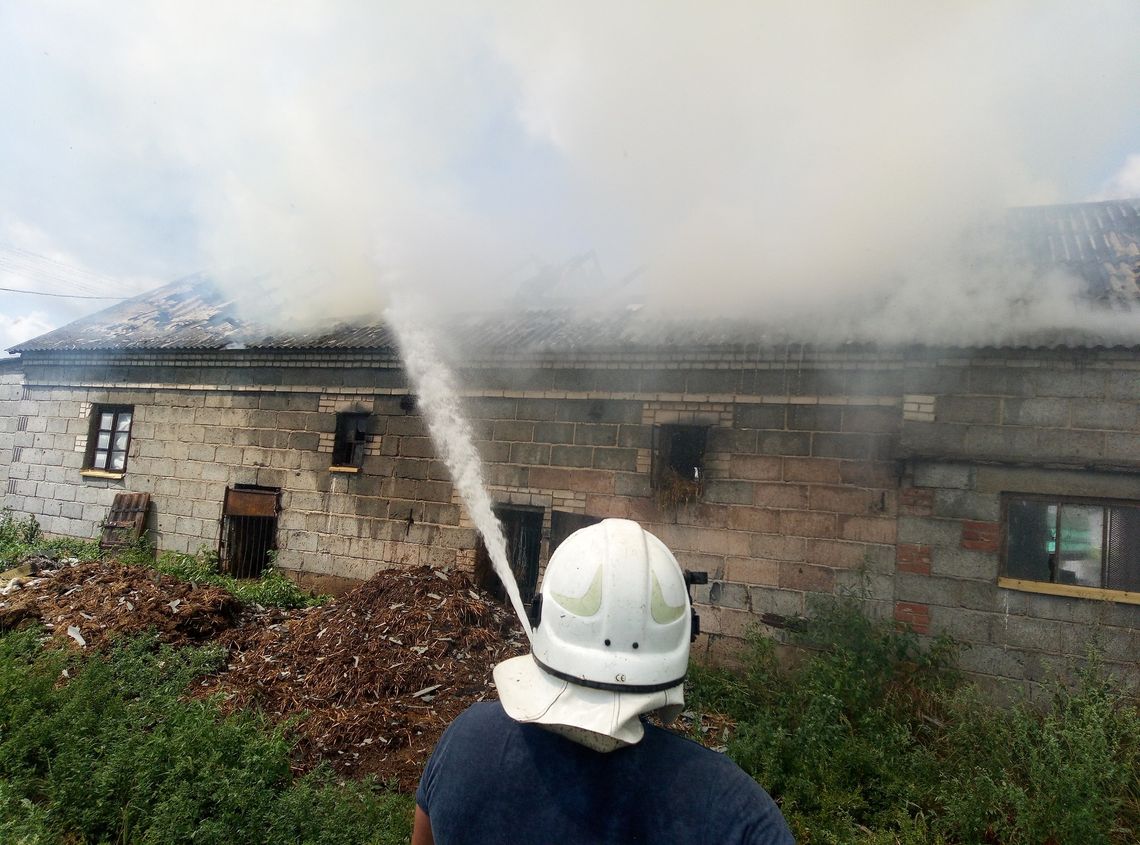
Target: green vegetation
point(22, 537)
point(272, 589)
point(113, 753)
point(874, 739)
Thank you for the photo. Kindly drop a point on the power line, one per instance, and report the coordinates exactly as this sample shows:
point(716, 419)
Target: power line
point(63, 295)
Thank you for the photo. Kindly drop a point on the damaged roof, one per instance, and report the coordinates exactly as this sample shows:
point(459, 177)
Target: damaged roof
point(1097, 242)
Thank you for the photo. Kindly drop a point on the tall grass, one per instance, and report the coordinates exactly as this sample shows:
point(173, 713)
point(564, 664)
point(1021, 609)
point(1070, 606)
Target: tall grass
point(875, 738)
point(113, 753)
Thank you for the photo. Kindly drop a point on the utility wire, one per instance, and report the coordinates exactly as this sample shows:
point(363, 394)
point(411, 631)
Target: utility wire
point(63, 295)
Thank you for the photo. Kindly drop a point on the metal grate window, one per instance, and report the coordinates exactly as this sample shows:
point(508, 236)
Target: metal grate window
point(1078, 542)
point(249, 530)
point(110, 437)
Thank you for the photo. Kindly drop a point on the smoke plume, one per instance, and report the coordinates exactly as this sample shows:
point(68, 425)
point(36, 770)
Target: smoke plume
point(785, 160)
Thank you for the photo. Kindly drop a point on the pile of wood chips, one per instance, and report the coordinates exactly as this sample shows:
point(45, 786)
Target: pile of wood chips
point(366, 682)
point(88, 604)
point(371, 679)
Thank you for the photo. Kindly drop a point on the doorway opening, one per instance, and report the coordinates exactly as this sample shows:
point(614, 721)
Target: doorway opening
point(249, 529)
point(522, 527)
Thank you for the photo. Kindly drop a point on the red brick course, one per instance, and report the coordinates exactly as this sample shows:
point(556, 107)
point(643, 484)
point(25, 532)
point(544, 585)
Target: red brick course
point(916, 501)
point(980, 536)
point(914, 615)
point(913, 558)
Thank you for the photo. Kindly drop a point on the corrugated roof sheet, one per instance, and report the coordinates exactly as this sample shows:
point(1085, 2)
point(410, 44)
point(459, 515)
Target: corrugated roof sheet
point(1100, 242)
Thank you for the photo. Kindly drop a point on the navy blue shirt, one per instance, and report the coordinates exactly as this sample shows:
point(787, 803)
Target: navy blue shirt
point(492, 780)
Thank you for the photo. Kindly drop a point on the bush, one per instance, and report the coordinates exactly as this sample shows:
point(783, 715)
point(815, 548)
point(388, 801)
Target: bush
point(874, 738)
point(114, 754)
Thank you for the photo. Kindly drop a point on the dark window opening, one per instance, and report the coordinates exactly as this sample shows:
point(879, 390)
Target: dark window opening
point(678, 462)
point(249, 530)
point(1078, 542)
point(564, 523)
point(351, 440)
point(109, 438)
point(522, 528)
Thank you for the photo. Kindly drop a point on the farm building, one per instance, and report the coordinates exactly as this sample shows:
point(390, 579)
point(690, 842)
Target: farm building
point(992, 494)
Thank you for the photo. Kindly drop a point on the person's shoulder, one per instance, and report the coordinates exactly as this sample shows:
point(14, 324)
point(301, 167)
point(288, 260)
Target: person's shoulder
point(480, 718)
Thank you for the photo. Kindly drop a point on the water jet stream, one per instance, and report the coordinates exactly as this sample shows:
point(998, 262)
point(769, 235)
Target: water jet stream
point(438, 399)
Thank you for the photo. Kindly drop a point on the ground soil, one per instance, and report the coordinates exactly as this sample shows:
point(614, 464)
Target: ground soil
point(366, 683)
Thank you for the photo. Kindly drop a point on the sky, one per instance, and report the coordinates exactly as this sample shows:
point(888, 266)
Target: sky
point(772, 157)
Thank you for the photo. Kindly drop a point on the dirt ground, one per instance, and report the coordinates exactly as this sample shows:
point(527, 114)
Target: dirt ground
point(366, 682)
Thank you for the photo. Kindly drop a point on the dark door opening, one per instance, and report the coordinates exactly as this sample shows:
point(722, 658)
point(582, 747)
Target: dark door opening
point(565, 523)
point(249, 530)
point(522, 528)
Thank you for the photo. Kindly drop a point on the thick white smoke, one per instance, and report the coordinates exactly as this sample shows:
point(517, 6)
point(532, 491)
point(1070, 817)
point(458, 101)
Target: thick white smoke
point(779, 158)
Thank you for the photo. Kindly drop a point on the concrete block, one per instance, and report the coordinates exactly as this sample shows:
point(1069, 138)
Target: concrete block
point(729, 492)
point(586, 434)
point(757, 467)
point(1046, 413)
point(967, 409)
point(635, 436)
point(1124, 384)
point(737, 441)
point(1116, 416)
point(536, 409)
point(777, 547)
point(929, 531)
point(632, 484)
point(553, 432)
point(725, 594)
point(1073, 445)
point(966, 504)
point(867, 529)
point(964, 563)
point(775, 600)
point(530, 453)
point(760, 416)
point(1124, 448)
point(955, 476)
point(622, 460)
point(783, 443)
point(815, 418)
point(572, 456)
point(1081, 383)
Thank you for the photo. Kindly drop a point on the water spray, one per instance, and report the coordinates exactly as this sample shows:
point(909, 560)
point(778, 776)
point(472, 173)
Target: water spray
point(438, 399)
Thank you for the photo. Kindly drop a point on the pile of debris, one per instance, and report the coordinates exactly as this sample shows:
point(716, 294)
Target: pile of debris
point(366, 682)
point(373, 678)
point(88, 604)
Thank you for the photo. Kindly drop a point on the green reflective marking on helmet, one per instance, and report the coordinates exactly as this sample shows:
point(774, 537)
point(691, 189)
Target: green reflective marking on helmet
point(663, 612)
point(587, 604)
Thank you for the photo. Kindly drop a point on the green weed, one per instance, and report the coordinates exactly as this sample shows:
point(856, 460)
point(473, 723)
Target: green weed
point(874, 738)
point(113, 753)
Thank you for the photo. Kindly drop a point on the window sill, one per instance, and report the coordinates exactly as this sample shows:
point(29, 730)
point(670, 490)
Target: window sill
point(98, 473)
point(1047, 588)
point(344, 469)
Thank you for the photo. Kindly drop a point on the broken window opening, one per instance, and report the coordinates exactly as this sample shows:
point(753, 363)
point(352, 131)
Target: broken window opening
point(522, 528)
point(109, 438)
point(1072, 541)
point(249, 530)
point(678, 463)
point(565, 523)
point(351, 440)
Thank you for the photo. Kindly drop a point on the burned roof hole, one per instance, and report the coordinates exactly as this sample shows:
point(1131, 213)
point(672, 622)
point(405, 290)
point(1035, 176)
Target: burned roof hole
point(407, 403)
point(635, 645)
point(607, 643)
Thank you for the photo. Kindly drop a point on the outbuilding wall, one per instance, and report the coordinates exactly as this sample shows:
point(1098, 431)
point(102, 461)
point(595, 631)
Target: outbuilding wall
point(875, 475)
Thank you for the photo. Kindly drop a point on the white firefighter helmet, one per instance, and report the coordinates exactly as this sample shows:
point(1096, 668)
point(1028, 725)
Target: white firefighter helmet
point(610, 641)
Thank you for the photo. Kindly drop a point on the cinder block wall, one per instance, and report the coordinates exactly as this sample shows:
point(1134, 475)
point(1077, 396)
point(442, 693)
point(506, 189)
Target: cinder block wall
point(872, 474)
point(11, 386)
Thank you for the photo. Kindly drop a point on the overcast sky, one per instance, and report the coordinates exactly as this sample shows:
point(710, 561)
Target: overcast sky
point(759, 152)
